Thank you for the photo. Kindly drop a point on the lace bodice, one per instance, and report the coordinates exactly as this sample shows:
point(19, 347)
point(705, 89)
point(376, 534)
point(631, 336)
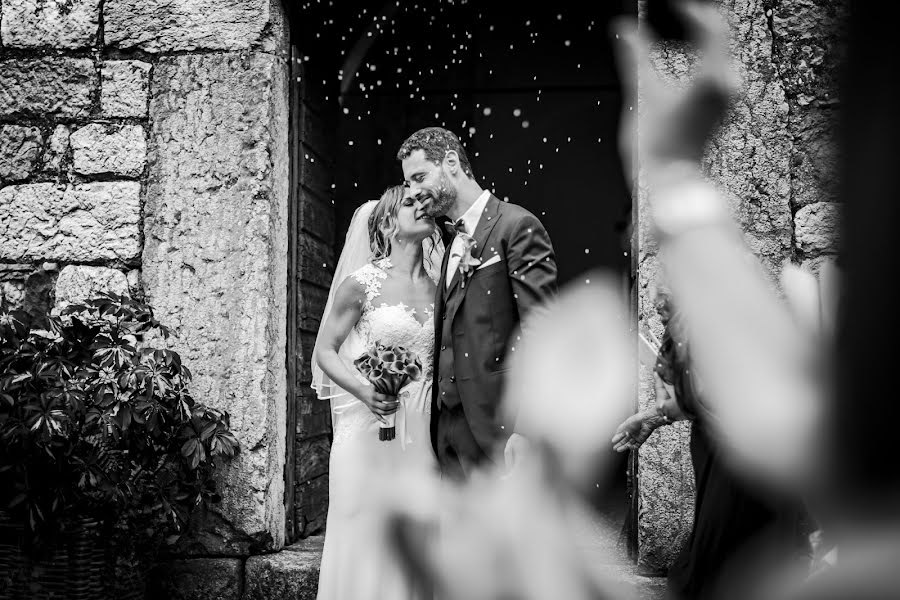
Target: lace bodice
point(393, 323)
point(388, 324)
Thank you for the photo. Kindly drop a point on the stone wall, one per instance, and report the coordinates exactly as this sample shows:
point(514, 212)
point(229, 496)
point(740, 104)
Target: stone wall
point(144, 148)
point(775, 159)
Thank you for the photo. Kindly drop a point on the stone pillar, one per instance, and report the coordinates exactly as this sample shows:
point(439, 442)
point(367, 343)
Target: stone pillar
point(215, 261)
point(775, 163)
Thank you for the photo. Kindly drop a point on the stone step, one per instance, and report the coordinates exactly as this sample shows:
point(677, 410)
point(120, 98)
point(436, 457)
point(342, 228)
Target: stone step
point(293, 574)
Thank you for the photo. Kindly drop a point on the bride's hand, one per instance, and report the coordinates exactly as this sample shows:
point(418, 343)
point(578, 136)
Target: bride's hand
point(381, 405)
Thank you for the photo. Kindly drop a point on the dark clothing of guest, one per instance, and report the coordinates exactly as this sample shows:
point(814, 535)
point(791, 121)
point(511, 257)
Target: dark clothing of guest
point(738, 525)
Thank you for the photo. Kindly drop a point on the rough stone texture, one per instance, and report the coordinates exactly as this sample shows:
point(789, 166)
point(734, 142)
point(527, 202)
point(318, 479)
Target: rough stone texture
point(214, 265)
point(195, 25)
point(815, 168)
point(814, 264)
point(52, 85)
point(749, 159)
point(26, 287)
point(83, 223)
point(665, 473)
point(66, 24)
point(809, 47)
point(291, 573)
point(124, 88)
point(211, 532)
point(77, 283)
point(197, 579)
point(19, 151)
point(818, 228)
point(57, 147)
point(133, 278)
point(97, 149)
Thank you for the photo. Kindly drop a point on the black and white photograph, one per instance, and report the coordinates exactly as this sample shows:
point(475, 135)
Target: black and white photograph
point(448, 300)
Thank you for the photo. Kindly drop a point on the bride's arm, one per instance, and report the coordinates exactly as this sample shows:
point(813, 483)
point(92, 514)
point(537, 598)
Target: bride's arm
point(346, 311)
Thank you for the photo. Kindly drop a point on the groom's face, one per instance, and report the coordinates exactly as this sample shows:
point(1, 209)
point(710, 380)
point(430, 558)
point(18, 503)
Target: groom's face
point(429, 184)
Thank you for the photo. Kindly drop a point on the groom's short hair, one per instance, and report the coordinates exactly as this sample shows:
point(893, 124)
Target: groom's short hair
point(436, 142)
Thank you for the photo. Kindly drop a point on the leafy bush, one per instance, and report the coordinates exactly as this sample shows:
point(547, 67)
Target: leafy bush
point(93, 421)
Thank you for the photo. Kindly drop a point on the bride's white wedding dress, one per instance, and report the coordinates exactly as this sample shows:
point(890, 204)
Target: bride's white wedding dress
point(355, 563)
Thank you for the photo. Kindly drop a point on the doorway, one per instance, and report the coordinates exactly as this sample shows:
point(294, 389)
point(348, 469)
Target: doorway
point(532, 92)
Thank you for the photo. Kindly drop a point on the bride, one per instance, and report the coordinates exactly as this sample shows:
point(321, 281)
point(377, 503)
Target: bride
point(383, 291)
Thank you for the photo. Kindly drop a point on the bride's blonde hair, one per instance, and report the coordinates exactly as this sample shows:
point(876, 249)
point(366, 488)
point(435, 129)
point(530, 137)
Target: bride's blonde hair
point(383, 223)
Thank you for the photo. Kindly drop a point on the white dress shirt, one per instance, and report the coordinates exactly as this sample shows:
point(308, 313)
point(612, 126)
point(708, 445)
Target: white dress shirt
point(470, 222)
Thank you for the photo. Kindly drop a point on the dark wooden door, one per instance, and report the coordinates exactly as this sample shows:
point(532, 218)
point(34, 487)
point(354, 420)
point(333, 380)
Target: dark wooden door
point(311, 234)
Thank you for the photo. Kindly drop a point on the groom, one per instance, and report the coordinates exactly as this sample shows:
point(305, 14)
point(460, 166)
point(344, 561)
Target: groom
point(497, 267)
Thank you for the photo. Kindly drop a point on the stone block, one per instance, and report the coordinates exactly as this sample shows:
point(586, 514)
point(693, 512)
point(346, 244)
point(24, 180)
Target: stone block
point(813, 265)
point(124, 88)
point(195, 25)
point(57, 148)
point(666, 489)
point(197, 579)
point(749, 158)
point(68, 24)
point(810, 42)
point(79, 283)
point(817, 228)
point(47, 86)
point(26, 287)
point(82, 223)
point(133, 278)
point(210, 533)
point(292, 573)
point(19, 151)
point(98, 150)
point(816, 166)
point(214, 264)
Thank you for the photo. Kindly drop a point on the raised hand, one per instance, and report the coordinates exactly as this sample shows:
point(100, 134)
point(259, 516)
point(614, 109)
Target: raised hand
point(676, 122)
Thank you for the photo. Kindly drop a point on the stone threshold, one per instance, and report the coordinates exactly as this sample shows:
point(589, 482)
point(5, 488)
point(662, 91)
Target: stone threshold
point(293, 574)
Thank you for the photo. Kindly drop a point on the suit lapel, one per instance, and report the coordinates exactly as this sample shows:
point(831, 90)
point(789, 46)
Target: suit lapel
point(486, 224)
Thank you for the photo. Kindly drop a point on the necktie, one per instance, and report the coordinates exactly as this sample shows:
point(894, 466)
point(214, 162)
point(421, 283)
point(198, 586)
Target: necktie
point(458, 227)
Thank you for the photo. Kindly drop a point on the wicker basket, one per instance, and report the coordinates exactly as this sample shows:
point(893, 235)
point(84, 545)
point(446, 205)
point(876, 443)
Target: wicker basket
point(74, 570)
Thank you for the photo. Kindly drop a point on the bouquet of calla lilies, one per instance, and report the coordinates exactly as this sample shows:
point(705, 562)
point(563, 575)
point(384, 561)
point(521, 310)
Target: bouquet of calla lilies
point(389, 368)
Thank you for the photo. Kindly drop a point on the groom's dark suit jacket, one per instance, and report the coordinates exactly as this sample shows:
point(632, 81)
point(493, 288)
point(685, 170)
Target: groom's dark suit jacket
point(473, 328)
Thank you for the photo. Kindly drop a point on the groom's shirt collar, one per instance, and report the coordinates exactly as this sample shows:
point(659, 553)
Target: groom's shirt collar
point(473, 215)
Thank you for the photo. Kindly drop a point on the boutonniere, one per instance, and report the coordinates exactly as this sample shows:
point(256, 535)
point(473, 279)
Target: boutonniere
point(467, 262)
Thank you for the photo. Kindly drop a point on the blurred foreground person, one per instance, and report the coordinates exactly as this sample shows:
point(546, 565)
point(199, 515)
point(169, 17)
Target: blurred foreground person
point(767, 377)
point(741, 531)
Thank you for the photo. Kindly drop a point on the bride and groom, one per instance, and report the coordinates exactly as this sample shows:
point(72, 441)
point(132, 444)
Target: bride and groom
point(457, 308)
